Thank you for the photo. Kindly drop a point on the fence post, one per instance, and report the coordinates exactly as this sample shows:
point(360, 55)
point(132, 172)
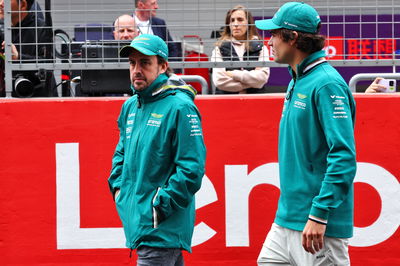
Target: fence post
point(196, 78)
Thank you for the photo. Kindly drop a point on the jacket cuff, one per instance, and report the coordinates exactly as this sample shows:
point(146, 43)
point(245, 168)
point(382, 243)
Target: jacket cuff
point(113, 188)
point(114, 192)
point(161, 205)
point(320, 213)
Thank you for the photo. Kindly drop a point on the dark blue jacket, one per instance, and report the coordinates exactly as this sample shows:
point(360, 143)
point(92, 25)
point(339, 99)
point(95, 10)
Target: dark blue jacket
point(160, 29)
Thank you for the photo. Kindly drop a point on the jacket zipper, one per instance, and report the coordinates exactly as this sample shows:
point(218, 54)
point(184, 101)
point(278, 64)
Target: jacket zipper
point(138, 122)
point(289, 97)
point(139, 104)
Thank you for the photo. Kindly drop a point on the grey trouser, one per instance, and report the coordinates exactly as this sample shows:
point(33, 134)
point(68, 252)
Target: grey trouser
point(151, 256)
point(283, 247)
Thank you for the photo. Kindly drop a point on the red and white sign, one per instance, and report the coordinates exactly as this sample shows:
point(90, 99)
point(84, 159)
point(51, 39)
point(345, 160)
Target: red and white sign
point(339, 48)
point(56, 158)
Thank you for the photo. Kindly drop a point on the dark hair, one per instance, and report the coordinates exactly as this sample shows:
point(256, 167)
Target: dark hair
point(30, 3)
point(251, 28)
point(306, 42)
point(160, 61)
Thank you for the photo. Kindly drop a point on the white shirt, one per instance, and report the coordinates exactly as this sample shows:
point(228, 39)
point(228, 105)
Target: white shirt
point(144, 26)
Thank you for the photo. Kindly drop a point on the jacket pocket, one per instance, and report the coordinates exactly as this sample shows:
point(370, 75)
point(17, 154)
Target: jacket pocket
point(155, 214)
point(121, 203)
point(116, 195)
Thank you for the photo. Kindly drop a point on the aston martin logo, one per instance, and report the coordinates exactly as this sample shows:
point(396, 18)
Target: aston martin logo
point(301, 96)
point(156, 115)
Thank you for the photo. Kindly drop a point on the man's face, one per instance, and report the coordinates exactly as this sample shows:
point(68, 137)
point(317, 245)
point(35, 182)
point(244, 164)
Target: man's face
point(125, 28)
point(149, 5)
point(144, 69)
point(282, 51)
point(15, 15)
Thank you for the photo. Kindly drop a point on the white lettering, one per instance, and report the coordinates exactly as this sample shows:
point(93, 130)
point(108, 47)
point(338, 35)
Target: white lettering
point(205, 196)
point(238, 186)
point(388, 188)
point(69, 233)
point(330, 50)
point(300, 103)
point(338, 102)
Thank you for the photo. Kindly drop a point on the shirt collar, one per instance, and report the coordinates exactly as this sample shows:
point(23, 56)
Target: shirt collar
point(141, 23)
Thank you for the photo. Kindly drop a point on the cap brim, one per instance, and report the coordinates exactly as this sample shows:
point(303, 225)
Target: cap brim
point(126, 50)
point(266, 24)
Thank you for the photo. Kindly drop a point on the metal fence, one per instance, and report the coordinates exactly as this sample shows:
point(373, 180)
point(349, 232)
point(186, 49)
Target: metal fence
point(362, 36)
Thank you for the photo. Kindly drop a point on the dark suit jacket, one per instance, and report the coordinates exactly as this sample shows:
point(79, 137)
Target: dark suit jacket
point(25, 35)
point(160, 29)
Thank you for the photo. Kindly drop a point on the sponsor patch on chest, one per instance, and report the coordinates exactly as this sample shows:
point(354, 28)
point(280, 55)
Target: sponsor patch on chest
point(300, 101)
point(300, 105)
point(155, 120)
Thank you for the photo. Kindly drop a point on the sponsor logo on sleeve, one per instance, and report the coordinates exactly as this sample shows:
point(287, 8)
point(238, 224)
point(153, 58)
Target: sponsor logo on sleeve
point(129, 125)
point(339, 112)
point(195, 129)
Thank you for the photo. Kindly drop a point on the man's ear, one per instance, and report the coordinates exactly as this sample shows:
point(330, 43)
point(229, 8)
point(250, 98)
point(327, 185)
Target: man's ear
point(164, 67)
point(295, 36)
point(23, 5)
point(140, 5)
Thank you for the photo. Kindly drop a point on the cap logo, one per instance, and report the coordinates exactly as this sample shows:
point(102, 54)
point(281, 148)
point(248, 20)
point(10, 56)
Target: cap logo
point(138, 41)
point(289, 24)
point(161, 52)
point(141, 39)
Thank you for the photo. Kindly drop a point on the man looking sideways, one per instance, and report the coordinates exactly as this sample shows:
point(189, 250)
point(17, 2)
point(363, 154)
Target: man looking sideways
point(317, 160)
point(159, 160)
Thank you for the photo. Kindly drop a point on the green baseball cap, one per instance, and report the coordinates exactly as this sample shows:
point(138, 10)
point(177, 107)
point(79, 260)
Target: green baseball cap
point(293, 16)
point(147, 44)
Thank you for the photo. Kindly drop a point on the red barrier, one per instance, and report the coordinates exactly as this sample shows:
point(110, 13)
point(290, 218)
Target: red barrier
point(56, 157)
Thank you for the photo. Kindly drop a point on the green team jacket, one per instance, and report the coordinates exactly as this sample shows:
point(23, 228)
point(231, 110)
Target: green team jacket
point(317, 160)
point(158, 165)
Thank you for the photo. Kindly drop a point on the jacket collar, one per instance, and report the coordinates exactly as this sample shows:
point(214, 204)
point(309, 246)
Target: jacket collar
point(146, 95)
point(308, 63)
point(163, 86)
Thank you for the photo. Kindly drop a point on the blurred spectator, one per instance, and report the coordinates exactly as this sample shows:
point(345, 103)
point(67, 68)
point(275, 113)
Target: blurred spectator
point(36, 8)
point(375, 86)
point(125, 28)
point(31, 40)
point(148, 23)
point(240, 42)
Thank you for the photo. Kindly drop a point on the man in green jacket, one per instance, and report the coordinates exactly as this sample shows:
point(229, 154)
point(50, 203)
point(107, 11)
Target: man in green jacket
point(317, 160)
point(159, 160)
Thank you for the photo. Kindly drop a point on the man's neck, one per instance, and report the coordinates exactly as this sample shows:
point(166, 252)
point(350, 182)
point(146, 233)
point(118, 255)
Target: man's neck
point(142, 15)
point(298, 57)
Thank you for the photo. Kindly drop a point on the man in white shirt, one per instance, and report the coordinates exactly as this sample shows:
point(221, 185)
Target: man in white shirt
point(148, 23)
